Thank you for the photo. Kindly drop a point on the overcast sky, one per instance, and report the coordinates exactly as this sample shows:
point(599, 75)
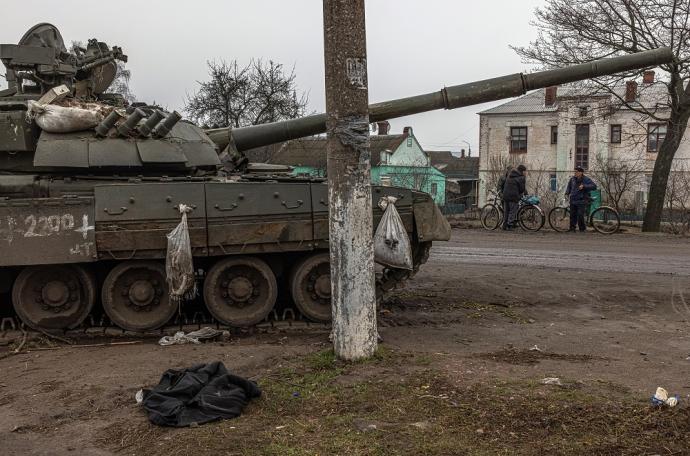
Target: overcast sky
point(413, 46)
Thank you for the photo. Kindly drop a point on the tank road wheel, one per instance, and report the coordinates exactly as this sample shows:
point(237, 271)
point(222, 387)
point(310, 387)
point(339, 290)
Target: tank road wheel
point(240, 291)
point(135, 296)
point(54, 297)
point(310, 286)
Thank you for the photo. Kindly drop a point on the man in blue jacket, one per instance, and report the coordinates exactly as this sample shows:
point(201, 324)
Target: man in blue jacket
point(578, 190)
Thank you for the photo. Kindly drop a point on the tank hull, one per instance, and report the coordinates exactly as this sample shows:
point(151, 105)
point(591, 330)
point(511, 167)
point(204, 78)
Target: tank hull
point(99, 225)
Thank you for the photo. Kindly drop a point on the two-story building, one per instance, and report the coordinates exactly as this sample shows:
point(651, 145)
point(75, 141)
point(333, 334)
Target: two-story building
point(555, 129)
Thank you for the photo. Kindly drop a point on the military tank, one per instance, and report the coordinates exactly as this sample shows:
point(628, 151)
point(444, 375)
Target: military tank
point(84, 214)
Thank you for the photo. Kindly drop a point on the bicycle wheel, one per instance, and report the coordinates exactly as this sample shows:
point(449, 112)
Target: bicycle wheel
point(559, 219)
point(531, 217)
point(490, 217)
point(605, 220)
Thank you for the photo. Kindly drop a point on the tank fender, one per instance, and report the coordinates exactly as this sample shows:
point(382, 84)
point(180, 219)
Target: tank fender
point(429, 222)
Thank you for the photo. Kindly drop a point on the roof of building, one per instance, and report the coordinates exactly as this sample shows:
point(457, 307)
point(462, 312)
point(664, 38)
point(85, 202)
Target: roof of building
point(311, 152)
point(453, 166)
point(440, 155)
point(262, 154)
point(649, 95)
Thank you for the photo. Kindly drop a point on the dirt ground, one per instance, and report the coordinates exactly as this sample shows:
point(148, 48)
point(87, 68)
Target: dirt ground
point(466, 346)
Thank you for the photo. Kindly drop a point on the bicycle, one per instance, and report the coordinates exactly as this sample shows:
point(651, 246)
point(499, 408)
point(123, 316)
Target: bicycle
point(604, 219)
point(530, 216)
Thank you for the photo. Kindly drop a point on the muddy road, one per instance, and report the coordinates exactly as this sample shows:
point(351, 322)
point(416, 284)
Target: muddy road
point(631, 253)
point(609, 316)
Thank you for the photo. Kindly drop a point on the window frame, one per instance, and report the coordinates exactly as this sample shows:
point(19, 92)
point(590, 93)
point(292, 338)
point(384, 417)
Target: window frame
point(582, 150)
point(650, 133)
point(554, 134)
point(619, 128)
point(519, 140)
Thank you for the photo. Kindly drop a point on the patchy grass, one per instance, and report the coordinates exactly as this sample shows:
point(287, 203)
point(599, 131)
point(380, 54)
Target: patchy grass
point(479, 310)
point(397, 404)
point(512, 355)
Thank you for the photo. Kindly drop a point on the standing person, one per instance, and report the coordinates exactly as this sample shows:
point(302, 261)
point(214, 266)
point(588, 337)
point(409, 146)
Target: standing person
point(502, 181)
point(578, 190)
point(513, 189)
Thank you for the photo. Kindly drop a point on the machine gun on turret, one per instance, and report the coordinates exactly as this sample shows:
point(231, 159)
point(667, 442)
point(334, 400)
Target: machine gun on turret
point(41, 61)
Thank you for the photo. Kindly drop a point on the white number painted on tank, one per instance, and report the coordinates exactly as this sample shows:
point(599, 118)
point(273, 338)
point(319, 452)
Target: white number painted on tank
point(83, 249)
point(30, 223)
point(67, 222)
point(43, 226)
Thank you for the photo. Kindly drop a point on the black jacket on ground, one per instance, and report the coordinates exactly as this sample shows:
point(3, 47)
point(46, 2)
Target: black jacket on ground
point(514, 187)
point(199, 394)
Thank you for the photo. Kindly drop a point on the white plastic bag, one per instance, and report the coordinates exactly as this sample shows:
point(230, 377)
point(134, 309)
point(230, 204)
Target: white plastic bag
point(391, 243)
point(61, 119)
point(194, 337)
point(179, 266)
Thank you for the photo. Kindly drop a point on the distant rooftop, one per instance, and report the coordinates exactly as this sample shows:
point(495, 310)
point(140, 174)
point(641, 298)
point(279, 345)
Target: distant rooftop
point(312, 151)
point(649, 95)
point(453, 166)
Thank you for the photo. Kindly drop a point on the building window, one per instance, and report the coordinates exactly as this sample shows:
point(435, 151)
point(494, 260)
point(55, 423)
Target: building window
point(554, 134)
point(434, 188)
point(518, 140)
point(656, 133)
point(616, 131)
point(582, 145)
point(553, 181)
point(583, 111)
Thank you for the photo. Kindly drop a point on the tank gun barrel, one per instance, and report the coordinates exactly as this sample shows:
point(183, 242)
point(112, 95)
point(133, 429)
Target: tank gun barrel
point(472, 93)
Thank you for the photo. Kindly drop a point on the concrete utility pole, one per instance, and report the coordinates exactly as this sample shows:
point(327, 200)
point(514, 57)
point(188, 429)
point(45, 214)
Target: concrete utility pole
point(349, 180)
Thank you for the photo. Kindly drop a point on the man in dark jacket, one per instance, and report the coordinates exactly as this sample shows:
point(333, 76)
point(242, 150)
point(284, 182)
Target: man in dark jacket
point(502, 181)
point(513, 189)
point(578, 190)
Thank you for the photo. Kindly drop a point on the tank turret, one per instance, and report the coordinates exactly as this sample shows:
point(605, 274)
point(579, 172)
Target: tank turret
point(128, 140)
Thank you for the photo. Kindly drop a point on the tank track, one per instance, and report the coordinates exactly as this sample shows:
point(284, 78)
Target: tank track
point(287, 318)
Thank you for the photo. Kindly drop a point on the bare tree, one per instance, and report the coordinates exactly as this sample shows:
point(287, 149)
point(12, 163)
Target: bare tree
point(121, 83)
point(677, 201)
point(498, 165)
point(539, 183)
point(413, 177)
point(577, 31)
point(237, 96)
point(617, 177)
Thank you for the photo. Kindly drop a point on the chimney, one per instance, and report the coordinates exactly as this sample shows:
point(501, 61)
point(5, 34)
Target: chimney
point(383, 127)
point(407, 131)
point(550, 94)
point(462, 153)
point(630, 91)
point(648, 77)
